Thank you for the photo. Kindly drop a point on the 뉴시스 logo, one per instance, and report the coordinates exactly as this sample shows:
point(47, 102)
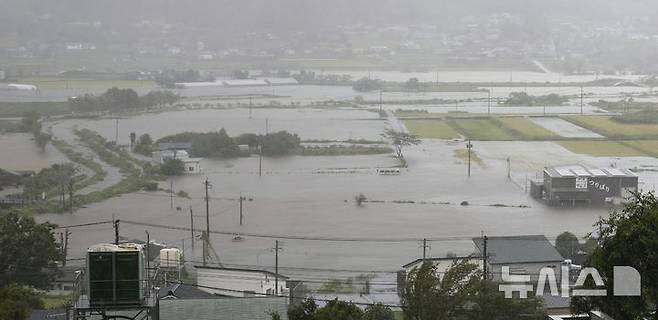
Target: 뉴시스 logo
point(626, 282)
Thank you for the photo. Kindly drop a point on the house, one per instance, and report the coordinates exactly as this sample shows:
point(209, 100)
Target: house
point(235, 282)
point(182, 291)
point(64, 281)
point(524, 255)
point(442, 264)
point(577, 184)
point(175, 146)
point(223, 308)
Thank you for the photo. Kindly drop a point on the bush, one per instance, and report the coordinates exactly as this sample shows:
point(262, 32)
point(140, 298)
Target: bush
point(172, 167)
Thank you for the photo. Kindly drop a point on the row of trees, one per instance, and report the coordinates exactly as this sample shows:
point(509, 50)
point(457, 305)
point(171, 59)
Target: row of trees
point(220, 144)
point(523, 99)
point(118, 100)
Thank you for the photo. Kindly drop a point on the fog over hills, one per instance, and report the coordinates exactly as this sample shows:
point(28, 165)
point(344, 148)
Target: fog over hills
point(295, 14)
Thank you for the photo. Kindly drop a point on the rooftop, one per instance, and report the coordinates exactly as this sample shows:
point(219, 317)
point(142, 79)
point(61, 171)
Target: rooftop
point(242, 270)
point(519, 249)
point(579, 170)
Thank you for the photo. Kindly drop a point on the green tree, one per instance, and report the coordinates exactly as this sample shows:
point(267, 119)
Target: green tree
point(28, 250)
point(365, 84)
point(627, 238)
point(400, 140)
point(339, 310)
point(30, 121)
point(172, 167)
point(378, 311)
point(116, 100)
point(42, 140)
point(304, 311)
point(144, 145)
point(133, 138)
point(280, 143)
point(488, 303)
point(567, 245)
point(16, 302)
point(461, 293)
point(412, 84)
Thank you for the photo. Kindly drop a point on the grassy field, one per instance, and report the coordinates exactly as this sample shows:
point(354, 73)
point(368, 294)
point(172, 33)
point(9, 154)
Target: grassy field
point(525, 128)
point(612, 129)
point(462, 156)
point(481, 129)
point(54, 302)
point(602, 148)
point(431, 129)
point(650, 147)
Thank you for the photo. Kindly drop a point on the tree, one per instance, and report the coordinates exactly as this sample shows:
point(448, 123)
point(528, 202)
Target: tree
point(339, 310)
point(567, 245)
point(16, 302)
point(461, 293)
point(144, 145)
point(115, 99)
point(400, 140)
point(365, 84)
point(42, 140)
point(627, 238)
point(280, 143)
point(28, 250)
point(304, 311)
point(378, 311)
point(412, 84)
point(172, 167)
point(133, 137)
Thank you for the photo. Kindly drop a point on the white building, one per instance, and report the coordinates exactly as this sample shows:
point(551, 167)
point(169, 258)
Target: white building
point(240, 282)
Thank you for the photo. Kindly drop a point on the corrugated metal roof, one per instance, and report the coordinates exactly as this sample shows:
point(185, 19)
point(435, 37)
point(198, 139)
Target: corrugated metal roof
point(519, 249)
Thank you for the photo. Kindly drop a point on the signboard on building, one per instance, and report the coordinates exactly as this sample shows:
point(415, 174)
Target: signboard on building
point(581, 183)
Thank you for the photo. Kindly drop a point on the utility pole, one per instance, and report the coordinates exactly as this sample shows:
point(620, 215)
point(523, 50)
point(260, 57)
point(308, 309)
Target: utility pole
point(485, 257)
point(380, 101)
point(509, 167)
point(581, 99)
point(260, 160)
point(207, 235)
point(276, 267)
point(249, 107)
point(192, 228)
point(469, 146)
point(240, 201)
point(171, 194)
point(267, 129)
point(116, 231)
point(489, 103)
point(64, 242)
point(116, 132)
point(148, 261)
point(424, 248)
point(70, 186)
